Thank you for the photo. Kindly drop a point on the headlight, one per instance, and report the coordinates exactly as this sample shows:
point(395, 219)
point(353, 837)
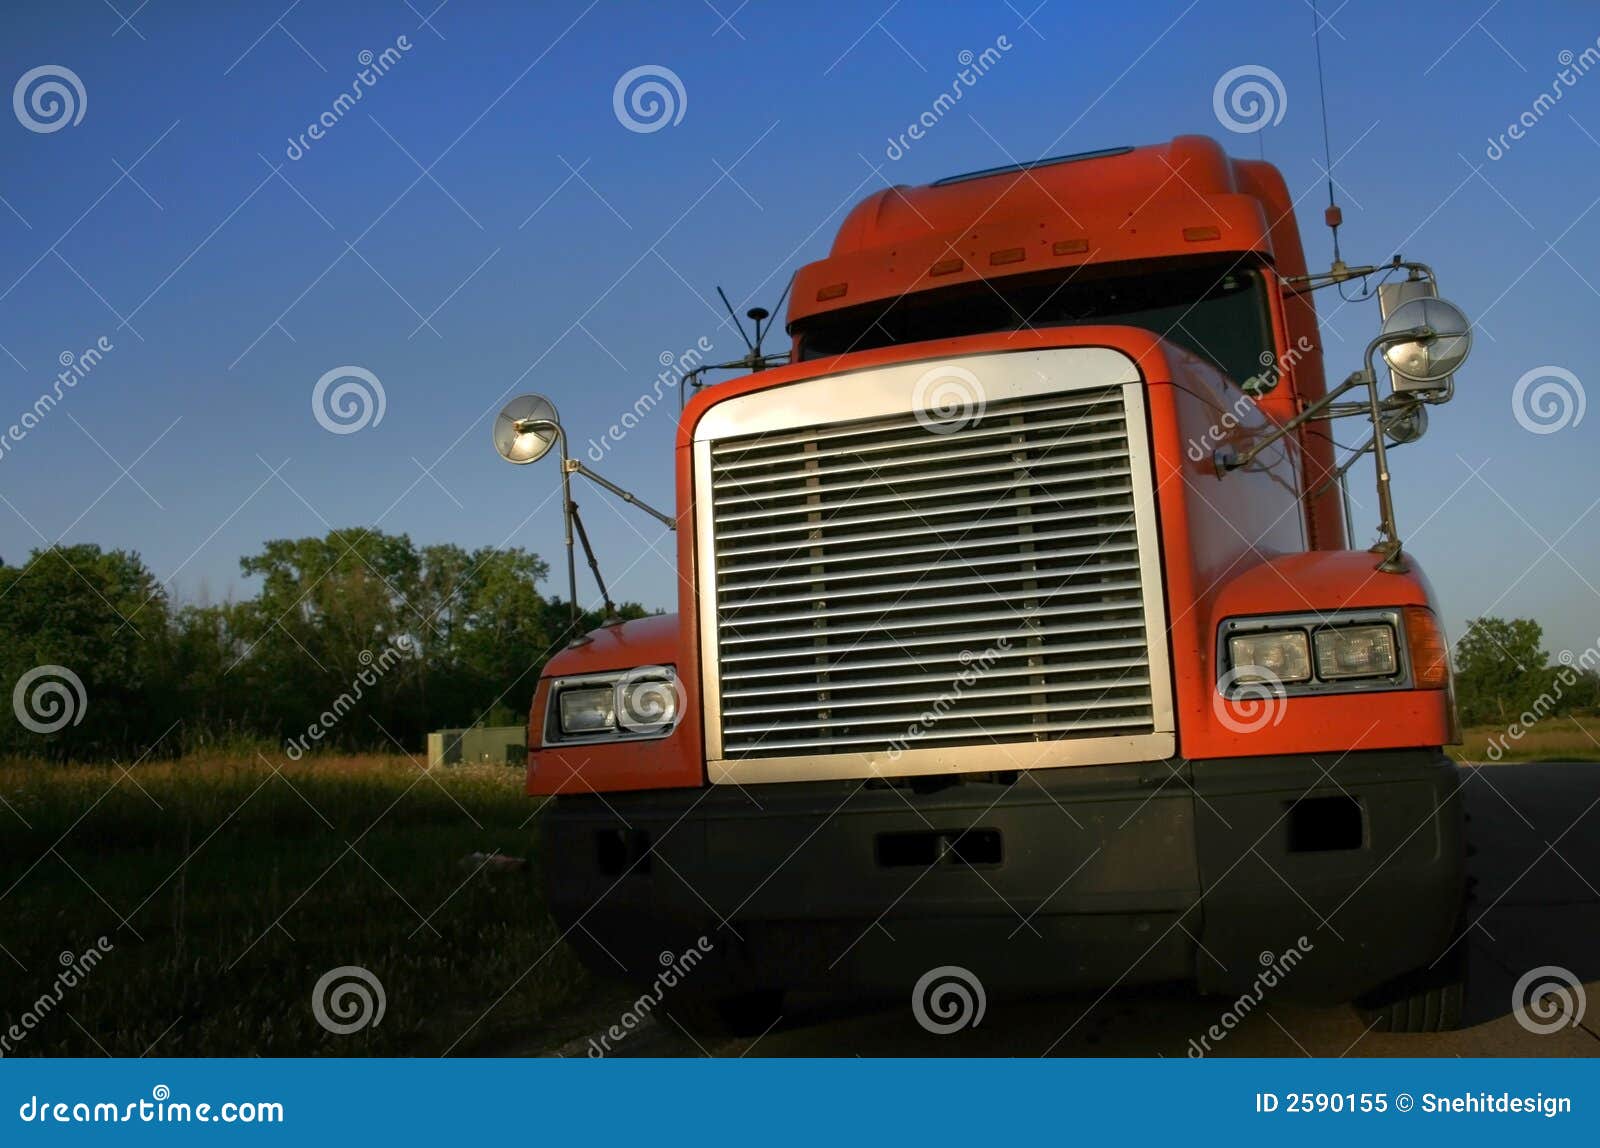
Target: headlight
point(1356, 652)
point(1285, 656)
point(588, 710)
point(1341, 651)
point(624, 705)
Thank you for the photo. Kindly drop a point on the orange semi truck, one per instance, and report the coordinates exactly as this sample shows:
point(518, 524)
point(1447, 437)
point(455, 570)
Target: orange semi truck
point(1019, 629)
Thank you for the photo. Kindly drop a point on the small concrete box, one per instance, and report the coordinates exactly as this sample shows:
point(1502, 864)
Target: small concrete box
point(495, 744)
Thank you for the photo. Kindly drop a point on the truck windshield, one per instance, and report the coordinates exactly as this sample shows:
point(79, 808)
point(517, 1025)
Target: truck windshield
point(1216, 311)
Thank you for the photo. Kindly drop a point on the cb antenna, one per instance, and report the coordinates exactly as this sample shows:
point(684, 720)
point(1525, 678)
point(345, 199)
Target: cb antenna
point(755, 359)
point(1332, 216)
point(732, 314)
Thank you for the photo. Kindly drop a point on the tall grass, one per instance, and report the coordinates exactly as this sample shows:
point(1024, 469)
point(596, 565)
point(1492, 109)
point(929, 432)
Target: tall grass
point(226, 888)
point(1553, 739)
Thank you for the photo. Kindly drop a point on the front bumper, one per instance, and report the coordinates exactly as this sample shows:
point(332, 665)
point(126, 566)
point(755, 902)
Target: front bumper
point(1066, 878)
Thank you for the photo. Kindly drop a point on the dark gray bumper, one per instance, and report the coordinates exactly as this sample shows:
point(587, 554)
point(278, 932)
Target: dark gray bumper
point(1065, 878)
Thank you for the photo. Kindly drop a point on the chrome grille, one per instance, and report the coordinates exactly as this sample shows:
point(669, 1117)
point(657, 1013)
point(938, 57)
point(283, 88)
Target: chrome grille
point(871, 575)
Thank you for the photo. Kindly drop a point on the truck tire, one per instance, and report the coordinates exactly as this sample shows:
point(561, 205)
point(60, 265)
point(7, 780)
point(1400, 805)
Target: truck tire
point(746, 1014)
point(1429, 1000)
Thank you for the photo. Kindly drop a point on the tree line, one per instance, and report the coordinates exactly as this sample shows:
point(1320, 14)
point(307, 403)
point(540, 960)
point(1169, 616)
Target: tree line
point(362, 640)
point(387, 639)
point(1503, 673)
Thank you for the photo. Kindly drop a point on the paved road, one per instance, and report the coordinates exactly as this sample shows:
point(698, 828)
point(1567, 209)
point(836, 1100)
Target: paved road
point(1535, 832)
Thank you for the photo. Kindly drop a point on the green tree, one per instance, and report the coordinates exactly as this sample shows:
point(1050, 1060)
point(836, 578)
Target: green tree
point(86, 628)
point(1500, 669)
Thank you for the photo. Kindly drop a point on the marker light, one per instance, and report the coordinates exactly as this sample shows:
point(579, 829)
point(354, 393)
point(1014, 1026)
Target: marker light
point(1430, 653)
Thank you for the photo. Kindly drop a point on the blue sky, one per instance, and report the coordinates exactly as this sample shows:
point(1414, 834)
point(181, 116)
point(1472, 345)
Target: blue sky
point(549, 248)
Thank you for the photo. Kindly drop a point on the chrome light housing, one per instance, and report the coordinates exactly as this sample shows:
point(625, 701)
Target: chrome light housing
point(1342, 651)
point(638, 704)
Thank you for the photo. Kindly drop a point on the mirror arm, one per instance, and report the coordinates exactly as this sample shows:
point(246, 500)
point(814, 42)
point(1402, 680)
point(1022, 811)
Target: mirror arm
point(576, 466)
point(1226, 459)
point(594, 565)
point(1338, 472)
point(1393, 562)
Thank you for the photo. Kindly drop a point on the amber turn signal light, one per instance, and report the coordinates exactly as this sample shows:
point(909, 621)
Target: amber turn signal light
point(1430, 653)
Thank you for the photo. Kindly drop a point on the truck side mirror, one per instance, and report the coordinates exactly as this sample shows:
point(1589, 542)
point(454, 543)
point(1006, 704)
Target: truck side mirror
point(1425, 341)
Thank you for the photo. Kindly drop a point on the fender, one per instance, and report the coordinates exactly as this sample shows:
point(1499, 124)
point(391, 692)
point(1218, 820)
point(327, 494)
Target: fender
point(668, 762)
point(1311, 582)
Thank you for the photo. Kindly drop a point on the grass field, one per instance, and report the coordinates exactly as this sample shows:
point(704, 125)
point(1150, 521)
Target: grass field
point(224, 890)
point(1554, 739)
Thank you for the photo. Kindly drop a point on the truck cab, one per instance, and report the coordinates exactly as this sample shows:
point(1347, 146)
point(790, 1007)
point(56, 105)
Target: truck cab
point(1020, 630)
